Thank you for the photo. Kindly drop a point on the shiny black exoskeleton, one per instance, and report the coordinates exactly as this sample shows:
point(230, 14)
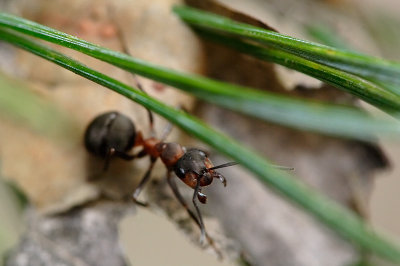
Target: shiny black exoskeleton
point(191, 161)
point(110, 133)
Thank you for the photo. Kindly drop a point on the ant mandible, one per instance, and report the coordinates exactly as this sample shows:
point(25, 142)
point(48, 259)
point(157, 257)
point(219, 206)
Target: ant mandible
point(113, 134)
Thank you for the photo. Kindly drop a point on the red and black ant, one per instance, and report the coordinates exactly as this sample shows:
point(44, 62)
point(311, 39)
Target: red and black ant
point(113, 134)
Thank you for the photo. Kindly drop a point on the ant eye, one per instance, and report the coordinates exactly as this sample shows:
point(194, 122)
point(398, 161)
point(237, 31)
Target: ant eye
point(182, 171)
point(202, 153)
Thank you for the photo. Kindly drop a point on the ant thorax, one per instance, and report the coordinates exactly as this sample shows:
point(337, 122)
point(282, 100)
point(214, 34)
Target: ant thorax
point(170, 153)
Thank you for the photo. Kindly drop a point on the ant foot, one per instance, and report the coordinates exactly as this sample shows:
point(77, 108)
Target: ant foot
point(203, 238)
point(223, 180)
point(143, 204)
point(202, 197)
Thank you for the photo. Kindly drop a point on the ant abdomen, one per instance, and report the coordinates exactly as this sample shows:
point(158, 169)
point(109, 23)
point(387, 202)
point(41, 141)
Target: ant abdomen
point(111, 130)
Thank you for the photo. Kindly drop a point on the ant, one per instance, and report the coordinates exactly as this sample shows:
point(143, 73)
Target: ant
point(113, 134)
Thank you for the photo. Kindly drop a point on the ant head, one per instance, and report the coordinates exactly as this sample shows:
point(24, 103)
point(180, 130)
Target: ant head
point(110, 130)
point(194, 166)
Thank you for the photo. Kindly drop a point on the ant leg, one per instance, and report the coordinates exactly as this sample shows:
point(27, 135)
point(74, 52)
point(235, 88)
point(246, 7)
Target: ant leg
point(149, 113)
point(141, 154)
point(109, 155)
point(112, 152)
point(168, 128)
point(178, 195)
point(129, 157)
point(183, 203)
point(142, 183)
point(202, 197)
point(126, 156)
point(138, 85)
point(222, 179)
point(202, 227)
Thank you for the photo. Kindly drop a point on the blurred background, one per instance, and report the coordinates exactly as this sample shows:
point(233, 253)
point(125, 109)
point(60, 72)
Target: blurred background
point(146, 235)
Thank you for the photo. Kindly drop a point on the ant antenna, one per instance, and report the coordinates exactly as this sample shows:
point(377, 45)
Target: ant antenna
point(166, 132)
point(168, 127)
point(235, 163)
point(223, 165)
